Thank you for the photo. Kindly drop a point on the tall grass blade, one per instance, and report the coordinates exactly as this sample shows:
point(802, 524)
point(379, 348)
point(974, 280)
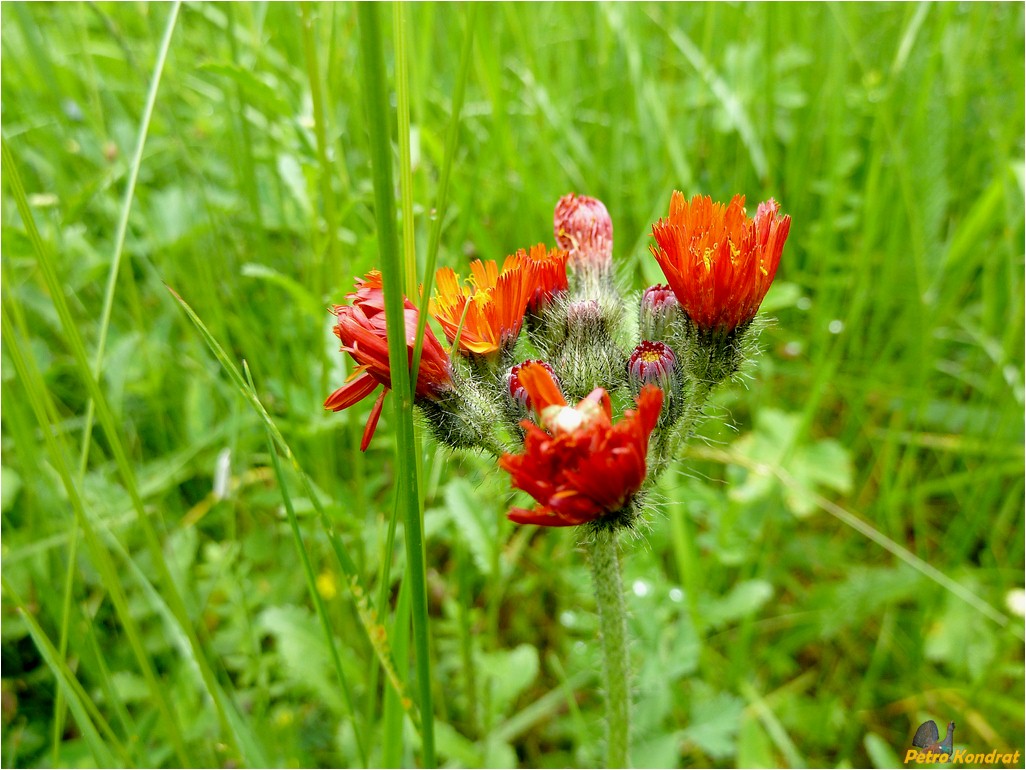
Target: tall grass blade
point(866, 529)
point(452, 137)
point(311, 585)
point(45, 412)
point(125, 471)
point(366, 612)
point(334, 255)
point(105, 315)
point(87, 717)
point(377, 102)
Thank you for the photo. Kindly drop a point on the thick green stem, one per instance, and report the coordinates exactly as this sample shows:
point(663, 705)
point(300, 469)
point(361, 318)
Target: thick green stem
point(605, 571)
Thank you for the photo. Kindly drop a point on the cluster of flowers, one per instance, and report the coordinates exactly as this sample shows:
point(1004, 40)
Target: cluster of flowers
point(549, 329)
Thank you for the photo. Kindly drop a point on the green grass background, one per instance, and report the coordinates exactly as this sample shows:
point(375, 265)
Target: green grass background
point(783, 607)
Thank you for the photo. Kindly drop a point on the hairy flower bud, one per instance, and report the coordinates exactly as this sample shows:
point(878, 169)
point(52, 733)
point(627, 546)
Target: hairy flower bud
point(660, 313)
point(652, 362)
point(583, 227)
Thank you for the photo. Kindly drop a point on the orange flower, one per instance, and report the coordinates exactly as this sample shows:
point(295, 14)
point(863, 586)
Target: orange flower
point(493, 303)
point(719, 263)
point(361, 328)
point(583, 467)
point(546, 274)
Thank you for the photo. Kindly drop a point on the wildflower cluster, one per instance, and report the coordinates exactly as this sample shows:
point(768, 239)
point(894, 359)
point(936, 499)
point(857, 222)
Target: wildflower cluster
point(541, 350)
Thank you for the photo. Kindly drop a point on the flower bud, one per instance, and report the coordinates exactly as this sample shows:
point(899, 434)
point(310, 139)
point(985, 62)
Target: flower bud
point(652, 362)
point(660, 313)
point(583, 227)
point(584, 313)
point(517, 392)
point(583, 347)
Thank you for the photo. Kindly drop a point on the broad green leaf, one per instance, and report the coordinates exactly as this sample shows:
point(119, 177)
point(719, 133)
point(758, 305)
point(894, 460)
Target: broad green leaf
point(508, 673)
point(473, 522)
point(715, 717)
point(10, 485)
point(754, 747)
point(304, 657)
point(880, 752)
point(744, 599)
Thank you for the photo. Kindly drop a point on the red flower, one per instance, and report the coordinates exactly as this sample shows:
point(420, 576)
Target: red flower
point(583, 227)
point(718, 262)
point(545, 272)
point(361, 327)
point(582, 467)
point(497, 301)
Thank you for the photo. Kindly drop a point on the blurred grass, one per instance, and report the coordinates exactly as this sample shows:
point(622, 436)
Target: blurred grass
point(766, 631)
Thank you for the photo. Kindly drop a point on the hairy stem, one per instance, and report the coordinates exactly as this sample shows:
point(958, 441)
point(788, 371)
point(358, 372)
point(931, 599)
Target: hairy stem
point(605, 572)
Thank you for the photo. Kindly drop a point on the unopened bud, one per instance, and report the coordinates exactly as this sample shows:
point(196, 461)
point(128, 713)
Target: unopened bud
point(660, 312)
point(517, 392)
point(652, 362)
point(583, 227)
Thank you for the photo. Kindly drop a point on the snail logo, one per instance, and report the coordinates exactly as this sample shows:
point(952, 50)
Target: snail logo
point(929, 749)
point(927, 739)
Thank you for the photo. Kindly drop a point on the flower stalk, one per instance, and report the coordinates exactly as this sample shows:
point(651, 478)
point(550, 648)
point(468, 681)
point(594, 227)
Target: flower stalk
point(605, 573)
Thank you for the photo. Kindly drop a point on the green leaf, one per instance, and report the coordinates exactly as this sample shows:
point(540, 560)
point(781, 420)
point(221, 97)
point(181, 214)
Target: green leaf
point(957, 639)
point(508, 673)
point(291, 173)
point(744, 599)
point(299, 642)
point(10, 485)
point(715, 717)
point(880, 752)
point(473, 522)
point(780, 295)
point(754, 748)
point(266, 96)
point(659, 751)
point(456, 747)
point(815, 465)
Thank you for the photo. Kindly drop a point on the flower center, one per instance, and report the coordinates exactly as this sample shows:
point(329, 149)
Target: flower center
point(651, 356)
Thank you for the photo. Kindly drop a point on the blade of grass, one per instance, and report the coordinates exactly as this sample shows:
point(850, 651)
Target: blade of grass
point(105, 315)
point(863, 528)
point(331, 265)
point(392, 716)
point(376, 102)
point(311, 584)
point(393, 725)
point(72, 337)
point(46, 415)
point(384, 586)
point(87, 716)
point(438, 213)
point(402, 93)
point(366, 612)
